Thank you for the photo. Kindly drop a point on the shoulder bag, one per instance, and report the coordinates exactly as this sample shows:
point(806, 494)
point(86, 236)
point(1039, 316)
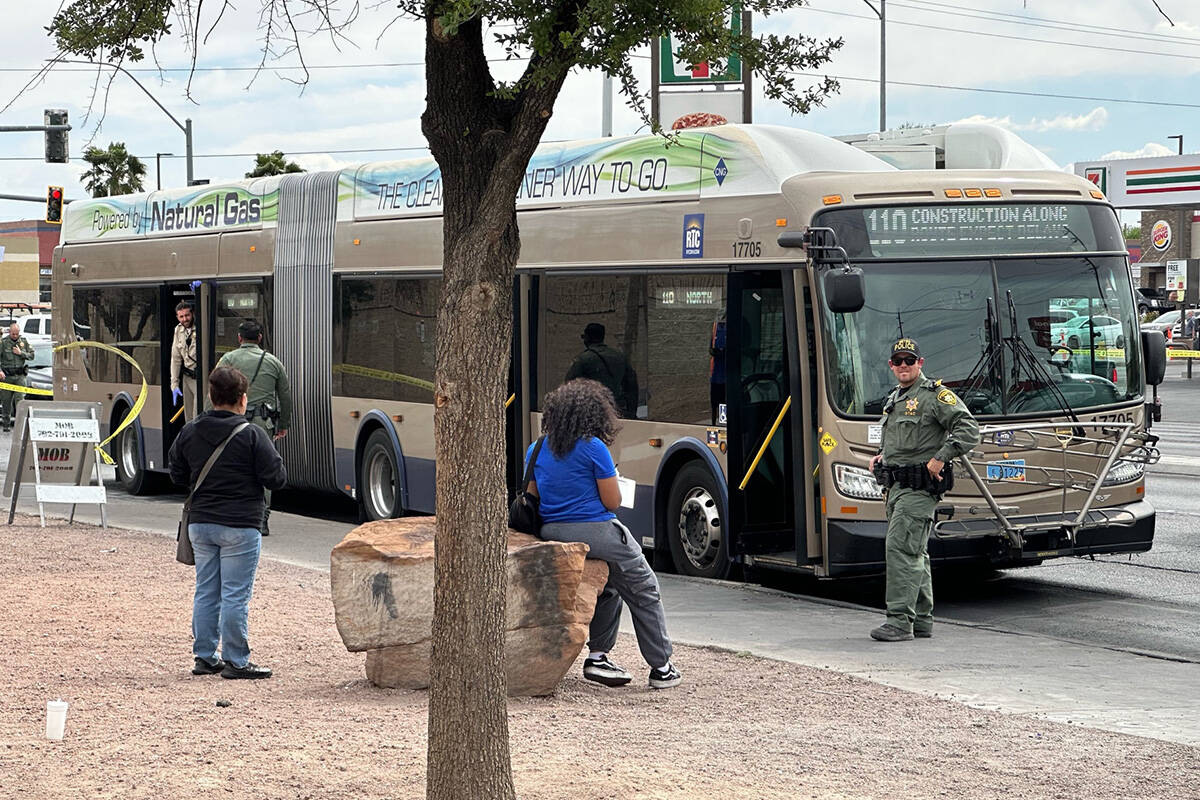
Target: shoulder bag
point(524, 514)
point(183, 543)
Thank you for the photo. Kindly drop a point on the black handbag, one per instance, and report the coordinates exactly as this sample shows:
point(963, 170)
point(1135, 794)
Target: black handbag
point(524, 514)
point(183, 543)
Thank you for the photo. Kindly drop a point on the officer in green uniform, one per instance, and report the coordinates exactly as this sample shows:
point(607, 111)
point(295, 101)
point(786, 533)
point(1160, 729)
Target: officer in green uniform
point(925, 426)
point(269, 398)
point(14, 352)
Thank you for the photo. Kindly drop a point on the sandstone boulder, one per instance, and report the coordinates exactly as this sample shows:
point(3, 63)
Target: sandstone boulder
point(381, 576)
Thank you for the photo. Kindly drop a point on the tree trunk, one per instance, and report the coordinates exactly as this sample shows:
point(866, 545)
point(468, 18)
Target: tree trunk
point(482, 145)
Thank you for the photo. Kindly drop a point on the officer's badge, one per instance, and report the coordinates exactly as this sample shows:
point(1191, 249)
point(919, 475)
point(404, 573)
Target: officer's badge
point(910, 406)
point(946, 396)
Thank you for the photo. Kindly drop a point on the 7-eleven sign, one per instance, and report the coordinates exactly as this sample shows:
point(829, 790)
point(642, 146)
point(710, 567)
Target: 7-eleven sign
point(671, 69)
point(1098, 176)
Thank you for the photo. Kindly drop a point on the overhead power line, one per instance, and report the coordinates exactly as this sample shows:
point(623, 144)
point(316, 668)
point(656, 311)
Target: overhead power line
point(1007, 36)
point(1002, 91)
point(930, 6)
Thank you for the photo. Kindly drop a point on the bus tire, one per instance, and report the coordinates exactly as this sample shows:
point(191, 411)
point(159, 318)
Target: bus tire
point(131, 470)
point(378, 479)
point(695, 526)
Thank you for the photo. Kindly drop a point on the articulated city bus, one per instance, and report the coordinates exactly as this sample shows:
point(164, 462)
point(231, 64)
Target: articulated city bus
point(719, 268)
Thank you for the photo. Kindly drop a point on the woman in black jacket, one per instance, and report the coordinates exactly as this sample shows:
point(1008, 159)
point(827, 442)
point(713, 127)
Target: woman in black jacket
point(223, 524)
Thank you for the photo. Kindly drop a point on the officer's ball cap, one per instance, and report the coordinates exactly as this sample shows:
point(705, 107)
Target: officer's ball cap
point(906, 346)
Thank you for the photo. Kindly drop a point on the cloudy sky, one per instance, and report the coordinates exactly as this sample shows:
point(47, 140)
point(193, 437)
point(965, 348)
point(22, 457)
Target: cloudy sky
point(1080, 80)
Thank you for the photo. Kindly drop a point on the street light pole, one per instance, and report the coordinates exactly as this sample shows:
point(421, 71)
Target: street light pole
point(881, 12)
point(185, 126)
point(158, 167)
point(1180, 138)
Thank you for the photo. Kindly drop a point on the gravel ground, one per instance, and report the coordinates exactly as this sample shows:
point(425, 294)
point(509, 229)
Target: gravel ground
point(102, 620)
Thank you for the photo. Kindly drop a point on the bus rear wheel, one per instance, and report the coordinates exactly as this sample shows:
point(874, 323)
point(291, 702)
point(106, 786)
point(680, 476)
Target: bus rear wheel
point(379, 478)
point(694, 524)
point(131, 472)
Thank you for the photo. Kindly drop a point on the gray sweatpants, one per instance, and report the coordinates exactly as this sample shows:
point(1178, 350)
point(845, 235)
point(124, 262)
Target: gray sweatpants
point(630, 579)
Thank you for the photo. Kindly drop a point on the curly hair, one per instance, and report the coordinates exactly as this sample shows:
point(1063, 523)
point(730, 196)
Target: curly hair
point(576, 410)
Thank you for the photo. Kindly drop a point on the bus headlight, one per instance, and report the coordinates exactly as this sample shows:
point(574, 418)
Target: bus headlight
point(1124, 472)
point(856, 482)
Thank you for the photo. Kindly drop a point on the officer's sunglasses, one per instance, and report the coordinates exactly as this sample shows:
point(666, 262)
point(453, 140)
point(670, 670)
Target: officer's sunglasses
point(907, 361)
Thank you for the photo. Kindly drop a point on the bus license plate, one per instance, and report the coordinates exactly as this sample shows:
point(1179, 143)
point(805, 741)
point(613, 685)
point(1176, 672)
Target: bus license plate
point(1012, 469)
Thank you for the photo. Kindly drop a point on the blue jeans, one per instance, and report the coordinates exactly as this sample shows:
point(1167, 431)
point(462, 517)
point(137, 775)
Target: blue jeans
point(226, 560)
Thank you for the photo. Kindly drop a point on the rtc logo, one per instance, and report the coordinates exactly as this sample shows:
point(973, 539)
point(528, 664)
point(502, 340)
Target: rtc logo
point(1160, 235)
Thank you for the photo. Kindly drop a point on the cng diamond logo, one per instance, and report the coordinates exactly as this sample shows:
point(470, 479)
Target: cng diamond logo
point(693, 236)
point(720, 171)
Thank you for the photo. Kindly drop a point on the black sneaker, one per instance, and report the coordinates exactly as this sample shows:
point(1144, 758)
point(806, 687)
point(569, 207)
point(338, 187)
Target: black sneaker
point(601, 670)
point(665, 678)
point(202, 667)
point(250, 671)
point(926, 633)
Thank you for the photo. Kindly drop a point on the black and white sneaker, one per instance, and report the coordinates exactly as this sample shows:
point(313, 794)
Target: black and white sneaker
point(665, 678)
point(601, 670)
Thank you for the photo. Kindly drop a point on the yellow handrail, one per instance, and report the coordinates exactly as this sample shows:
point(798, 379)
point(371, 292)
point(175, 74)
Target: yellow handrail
point(766, 442)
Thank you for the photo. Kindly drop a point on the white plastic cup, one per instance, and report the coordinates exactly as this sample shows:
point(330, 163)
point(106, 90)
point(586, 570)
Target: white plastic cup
point(56, 718)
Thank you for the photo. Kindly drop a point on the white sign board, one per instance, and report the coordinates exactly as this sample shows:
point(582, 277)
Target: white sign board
point(55, 441)
point(1176, 275)
point(64, 430)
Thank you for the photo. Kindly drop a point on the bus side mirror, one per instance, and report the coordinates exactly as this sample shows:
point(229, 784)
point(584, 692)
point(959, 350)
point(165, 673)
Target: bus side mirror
point(845, 289)
point(1154, 350)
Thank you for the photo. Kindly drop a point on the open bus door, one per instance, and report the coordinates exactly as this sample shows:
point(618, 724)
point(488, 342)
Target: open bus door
point(759, 362)
point(173, 419)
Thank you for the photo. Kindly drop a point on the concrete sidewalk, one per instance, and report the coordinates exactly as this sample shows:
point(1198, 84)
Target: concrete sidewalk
point(983, 667)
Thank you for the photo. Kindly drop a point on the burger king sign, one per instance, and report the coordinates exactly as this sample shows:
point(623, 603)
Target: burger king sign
point(1160, 235)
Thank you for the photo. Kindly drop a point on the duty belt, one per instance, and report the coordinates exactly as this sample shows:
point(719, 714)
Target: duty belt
point(191, 373)
point(14, 370)
point(915, 476)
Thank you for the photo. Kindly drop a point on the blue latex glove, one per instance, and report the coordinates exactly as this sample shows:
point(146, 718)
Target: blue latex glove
point(176, 395)
point(195, 285)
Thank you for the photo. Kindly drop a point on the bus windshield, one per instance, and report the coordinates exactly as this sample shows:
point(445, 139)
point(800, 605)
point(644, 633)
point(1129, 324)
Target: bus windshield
point(1073, 344)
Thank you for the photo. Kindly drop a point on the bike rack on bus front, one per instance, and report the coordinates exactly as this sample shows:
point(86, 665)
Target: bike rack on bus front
point(1106, 443)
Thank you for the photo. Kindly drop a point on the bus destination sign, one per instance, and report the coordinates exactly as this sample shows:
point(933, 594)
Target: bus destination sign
point(972, 229)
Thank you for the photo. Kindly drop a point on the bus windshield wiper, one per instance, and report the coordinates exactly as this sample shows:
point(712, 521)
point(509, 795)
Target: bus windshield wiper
point(1025, 359)
point(989, 369)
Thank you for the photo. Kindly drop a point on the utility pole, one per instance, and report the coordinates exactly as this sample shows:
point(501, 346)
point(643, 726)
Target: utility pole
point(881, 12)
point(185, 126)
point(158, 168)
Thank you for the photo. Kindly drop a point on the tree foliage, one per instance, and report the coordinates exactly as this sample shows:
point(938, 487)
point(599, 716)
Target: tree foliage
point(273, 163)
point(114, 171)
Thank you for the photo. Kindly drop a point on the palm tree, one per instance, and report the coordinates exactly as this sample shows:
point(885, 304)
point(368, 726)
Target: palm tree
point(114, 171)
point(275, 163)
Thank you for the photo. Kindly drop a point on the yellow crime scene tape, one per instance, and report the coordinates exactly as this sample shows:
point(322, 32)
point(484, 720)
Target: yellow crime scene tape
point(378, 374)
point(133, 412)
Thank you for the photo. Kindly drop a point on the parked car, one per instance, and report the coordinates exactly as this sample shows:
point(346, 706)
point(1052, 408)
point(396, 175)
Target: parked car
point(41, 369)
point(1076, 332)
point(1168, 324)
point(35, 327)
point(1152, 299)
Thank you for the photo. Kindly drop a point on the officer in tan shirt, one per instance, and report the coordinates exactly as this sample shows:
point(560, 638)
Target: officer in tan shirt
point(183, 360)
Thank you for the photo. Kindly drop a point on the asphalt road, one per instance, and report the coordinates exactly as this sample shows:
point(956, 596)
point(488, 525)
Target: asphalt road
point(1147, 603)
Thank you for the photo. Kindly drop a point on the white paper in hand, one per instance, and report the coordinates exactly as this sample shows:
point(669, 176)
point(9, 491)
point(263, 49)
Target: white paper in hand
point(627, 486)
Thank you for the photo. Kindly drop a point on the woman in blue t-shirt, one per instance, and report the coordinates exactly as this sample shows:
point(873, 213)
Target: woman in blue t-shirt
point(577, 482)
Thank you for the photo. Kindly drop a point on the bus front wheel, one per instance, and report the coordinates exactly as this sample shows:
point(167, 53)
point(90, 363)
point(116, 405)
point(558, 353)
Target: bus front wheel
point(131, 472)
point(378, 479)
point(695, 527)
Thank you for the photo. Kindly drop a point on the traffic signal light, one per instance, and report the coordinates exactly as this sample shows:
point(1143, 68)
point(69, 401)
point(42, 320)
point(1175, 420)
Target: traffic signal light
point(56, 141)
point(54, 204)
